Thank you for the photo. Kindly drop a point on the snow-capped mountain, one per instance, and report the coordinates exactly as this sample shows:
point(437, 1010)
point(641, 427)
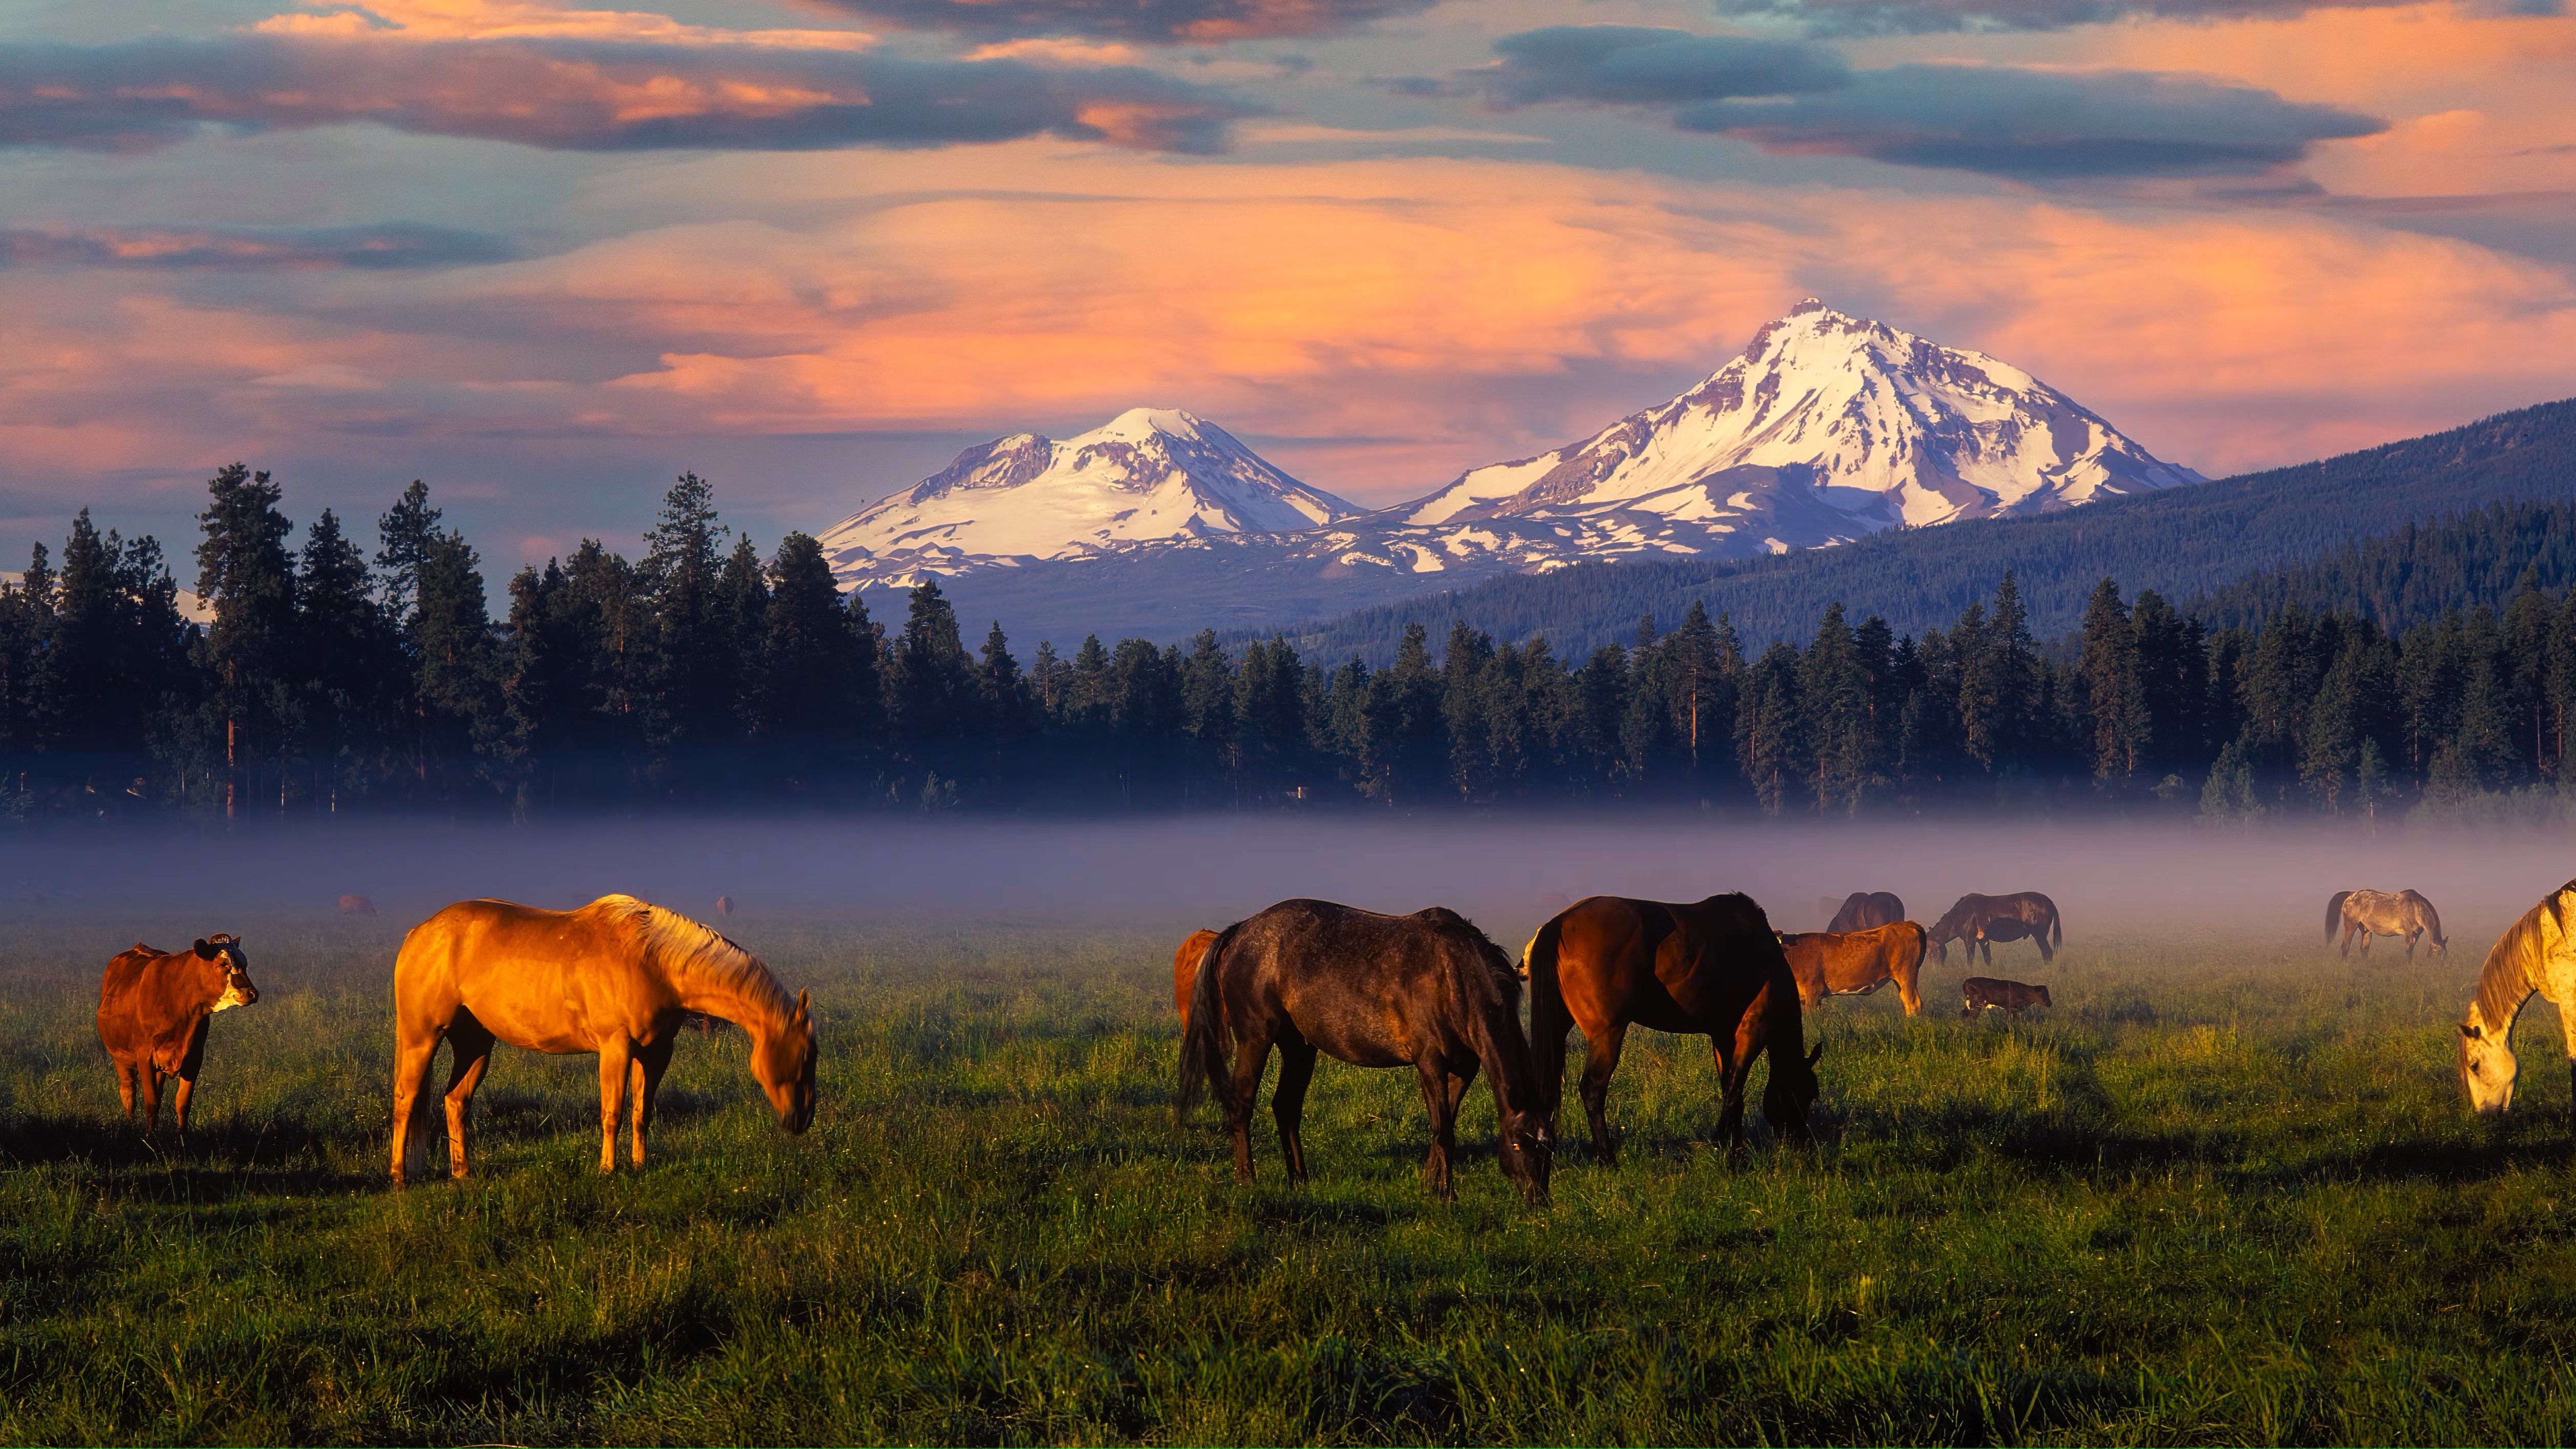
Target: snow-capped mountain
point(1829, 426)
point(1147, 476)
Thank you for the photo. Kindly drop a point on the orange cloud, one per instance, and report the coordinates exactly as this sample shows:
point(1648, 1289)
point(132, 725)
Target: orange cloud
point(1376, 325)
point(528, 20)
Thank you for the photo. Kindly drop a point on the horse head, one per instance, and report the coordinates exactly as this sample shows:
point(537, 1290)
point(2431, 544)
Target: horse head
point(2487, 1067)
point(1792, 1091)
point(1529, 1153)
point(784, 1063)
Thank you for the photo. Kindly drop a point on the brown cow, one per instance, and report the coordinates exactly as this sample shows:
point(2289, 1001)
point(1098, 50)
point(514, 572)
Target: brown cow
point(352, 905)
point(1856, 963)
point(1185, 970)
point(1977, 993)
point(152, 1010)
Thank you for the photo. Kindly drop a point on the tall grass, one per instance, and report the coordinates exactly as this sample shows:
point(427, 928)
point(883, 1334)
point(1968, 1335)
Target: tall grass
point(2220, 1193)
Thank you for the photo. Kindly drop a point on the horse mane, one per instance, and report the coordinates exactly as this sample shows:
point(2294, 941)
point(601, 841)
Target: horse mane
point(2432, 917)
point(2506, 981)
point(686, 948)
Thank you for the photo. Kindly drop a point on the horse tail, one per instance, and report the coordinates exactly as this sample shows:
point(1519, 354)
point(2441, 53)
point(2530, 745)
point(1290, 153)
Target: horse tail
point(2056, 926)
point(2334, 912)
point(1549, 1020)
point(1208, 1040)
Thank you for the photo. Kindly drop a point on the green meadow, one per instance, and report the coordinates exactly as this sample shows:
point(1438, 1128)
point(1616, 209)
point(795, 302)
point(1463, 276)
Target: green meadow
point(2225, 1192)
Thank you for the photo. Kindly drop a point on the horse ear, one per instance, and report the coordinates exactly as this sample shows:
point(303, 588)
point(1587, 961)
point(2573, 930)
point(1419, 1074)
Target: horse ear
point(1817, 1053)
point(801, 1003)
point(205, 949)
point(2470, 1030)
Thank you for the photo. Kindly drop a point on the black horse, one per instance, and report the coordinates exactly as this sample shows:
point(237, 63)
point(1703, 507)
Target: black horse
point(1980, 921)
point(1426, 990)
point(1863, 910)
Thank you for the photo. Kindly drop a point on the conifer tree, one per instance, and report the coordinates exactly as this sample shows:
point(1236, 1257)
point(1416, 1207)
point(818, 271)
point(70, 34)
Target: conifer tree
point(244, 575)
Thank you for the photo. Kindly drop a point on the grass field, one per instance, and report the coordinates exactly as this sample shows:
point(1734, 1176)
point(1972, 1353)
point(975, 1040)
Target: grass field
point(2222, 1193)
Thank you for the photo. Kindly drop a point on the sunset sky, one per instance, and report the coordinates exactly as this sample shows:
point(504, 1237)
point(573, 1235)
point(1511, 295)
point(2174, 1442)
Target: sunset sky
point(544, 257)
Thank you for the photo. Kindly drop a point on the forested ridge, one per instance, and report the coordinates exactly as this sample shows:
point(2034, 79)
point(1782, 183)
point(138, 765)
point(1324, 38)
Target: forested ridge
point(2182, 542)
point(2402, 672)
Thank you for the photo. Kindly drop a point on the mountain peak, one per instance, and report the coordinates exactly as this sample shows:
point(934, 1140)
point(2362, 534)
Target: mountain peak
point(1147, 476)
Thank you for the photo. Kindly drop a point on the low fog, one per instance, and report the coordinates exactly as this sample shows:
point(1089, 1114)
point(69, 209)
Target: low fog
point(1506, 872)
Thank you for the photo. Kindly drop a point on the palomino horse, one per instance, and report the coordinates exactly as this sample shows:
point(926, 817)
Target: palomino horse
point(2535, 954)
point(1426, 990)
point(1185, 971)
point(1710, 969)
point(1983, 920)
point(617, 977)
point(1856, 963)
point(2379, 913)
point(1864, 909)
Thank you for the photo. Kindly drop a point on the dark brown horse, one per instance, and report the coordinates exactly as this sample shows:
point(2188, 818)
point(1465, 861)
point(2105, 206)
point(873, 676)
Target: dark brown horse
point(1983, 920)
point(1864, 909)
point(1426, 990)
point(1711, 969)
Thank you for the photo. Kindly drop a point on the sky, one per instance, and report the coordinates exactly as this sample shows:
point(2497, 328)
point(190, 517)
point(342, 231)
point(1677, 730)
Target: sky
point(544, 257)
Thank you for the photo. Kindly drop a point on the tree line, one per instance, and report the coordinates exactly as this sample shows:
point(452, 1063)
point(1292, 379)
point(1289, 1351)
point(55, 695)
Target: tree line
point(704, 675)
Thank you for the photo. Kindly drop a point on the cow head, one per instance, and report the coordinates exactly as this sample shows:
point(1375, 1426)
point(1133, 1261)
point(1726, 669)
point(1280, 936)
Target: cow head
point(224, 953)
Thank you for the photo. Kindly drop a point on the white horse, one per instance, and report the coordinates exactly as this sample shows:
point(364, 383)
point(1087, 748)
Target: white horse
point(2537, 954)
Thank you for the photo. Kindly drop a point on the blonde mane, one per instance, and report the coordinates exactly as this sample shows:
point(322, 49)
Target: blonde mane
point(2508, 978)
point(687, 950)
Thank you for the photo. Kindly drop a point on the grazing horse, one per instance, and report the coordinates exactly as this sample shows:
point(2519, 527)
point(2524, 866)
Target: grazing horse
point(1856, 963)
point(2535, 954)
point(1864, 909)
point(1713, 969)
point(617, 977)
point(1185, 971)
point(1983, 920)
point(356, 905)
point(152, 1012)
point(2379, 913)
point(1426, 990)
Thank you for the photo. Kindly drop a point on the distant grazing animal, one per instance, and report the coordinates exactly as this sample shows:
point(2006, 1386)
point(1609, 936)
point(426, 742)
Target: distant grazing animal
point(1426, 990)
point(1185, 971)
point(2379, 913)
point(1864, 909)
point(1709, 968)
point(2535, 954)
point(1856, 963)
point(616, 977)
point(357, 906)
point(1980, 992)
point(724, 905)
point(1983, 920)
point(152, 1011)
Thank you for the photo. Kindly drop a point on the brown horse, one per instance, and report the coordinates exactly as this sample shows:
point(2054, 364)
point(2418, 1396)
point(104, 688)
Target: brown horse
point(1864, 909)
point(617, 977)
point(1983, 920)
point(1185, 971)
point(2380, 913)
point(152, 1012)
point(1712, 969)
point(1856, 963)
point(1426, 990)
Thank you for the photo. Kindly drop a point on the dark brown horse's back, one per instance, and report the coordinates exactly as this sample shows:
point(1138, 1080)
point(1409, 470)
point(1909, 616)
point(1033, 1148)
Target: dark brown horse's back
point(1864, 909)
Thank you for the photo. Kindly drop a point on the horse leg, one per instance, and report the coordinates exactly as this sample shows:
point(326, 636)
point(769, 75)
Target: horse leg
point(614, 1056)
point(650, 1063)
point(1444, 1128)
point(470, 1047)
point(1600, 1059)
point(412, 1061)
point(1732, 1069)
point(2344, 948)
point(1288, 1104)
point(1251, 1057)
